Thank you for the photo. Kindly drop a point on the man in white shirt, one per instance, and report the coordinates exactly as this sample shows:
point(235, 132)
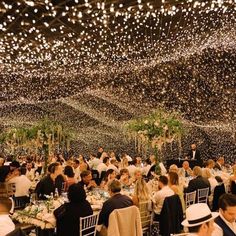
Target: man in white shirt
point(94, 162)
point(22, 183)
point(225, 223)
point(112, 166)
point(159, 196)
point(6, 224)
point(103, 166)
point(30, 172)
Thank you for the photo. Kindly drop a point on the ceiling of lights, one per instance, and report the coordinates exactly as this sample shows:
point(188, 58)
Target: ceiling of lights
point(96, 64)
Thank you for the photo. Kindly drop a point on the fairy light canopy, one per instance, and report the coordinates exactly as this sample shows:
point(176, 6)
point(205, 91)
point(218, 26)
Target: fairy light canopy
point(105, 58)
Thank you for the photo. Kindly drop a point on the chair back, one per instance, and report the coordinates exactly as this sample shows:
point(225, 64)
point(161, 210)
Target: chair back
point(88, 225)
point(95, 175)
point(145, 214)
point(125, 221)
point(218, 191)
point(190, 198)
point(11, 188)
point(20, 202)
point(3, 190)
point(16, 232)
point(182, 234)
point(171, 216)
point(202, 195)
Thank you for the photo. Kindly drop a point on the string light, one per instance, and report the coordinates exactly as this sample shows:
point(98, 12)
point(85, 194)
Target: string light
point(152, 54)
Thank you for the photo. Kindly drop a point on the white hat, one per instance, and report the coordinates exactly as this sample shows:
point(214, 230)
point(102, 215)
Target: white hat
point(198, 214)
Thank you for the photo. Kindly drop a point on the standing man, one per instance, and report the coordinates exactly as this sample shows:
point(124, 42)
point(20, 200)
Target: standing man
point(225, 223)
point(194, 154)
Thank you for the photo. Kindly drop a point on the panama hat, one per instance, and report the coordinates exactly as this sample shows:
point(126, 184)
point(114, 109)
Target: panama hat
point(198, 214)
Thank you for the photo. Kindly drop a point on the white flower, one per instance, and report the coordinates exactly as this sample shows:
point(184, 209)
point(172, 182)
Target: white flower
point(157, 123)
point(165, 127)
point(146, 122)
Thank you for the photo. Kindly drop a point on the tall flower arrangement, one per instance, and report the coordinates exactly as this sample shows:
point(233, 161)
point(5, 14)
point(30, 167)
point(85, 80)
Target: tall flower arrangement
point(45, 137)
point(155, 130)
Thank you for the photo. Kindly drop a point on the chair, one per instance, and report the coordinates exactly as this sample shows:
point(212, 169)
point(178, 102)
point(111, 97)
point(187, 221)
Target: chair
point(146, 216)
point(95, 175)
point(181, 234)
point(10, 188)
point(3, 190)
point(125, 221)
point(171, 216)
point(190, 198)
point(202, 195)
point(17, 232)
point(233, 187)
point(20, 202)
point(218, 191)
point(88, 225)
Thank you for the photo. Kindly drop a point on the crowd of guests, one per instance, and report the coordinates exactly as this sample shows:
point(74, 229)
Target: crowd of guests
point(77, 176)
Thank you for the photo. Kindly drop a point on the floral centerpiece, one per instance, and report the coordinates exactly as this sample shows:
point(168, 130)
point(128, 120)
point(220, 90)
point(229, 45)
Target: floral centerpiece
point(44, 137)
point(40, 214)
point(155, 130)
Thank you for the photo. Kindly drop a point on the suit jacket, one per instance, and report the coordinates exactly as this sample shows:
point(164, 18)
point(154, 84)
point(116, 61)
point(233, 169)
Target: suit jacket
point(197, 155)
point(46, 186)
point(225, 228)
point(171, 216)
point(198, 183)
point(68, 217)
point(115, 202)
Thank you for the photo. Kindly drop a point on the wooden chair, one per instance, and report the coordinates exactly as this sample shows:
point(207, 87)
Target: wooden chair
point(88, 225)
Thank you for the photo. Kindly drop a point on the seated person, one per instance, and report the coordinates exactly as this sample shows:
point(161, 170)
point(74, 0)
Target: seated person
point(22, 185)
point(6, 224)
point(68, 215)
point(50, 182)
point(199, 220)
point(159, 196)
point(124, 178)
point(116, 201)
point(198, 182)
point(110, 175)
point(141, 192)
point(87, 180)
point(185, 170)
point(225, 223)
point(69, 177)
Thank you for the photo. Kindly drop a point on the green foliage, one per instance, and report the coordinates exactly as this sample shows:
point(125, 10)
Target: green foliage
point(44, 133)
point(156, 125)
point(158, 128)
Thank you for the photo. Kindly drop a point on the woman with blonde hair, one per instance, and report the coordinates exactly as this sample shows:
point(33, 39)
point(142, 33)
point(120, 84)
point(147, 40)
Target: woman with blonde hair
point(141, 192)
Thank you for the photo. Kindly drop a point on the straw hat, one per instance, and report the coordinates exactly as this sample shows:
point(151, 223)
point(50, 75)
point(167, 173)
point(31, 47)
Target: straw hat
point(198, 214)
